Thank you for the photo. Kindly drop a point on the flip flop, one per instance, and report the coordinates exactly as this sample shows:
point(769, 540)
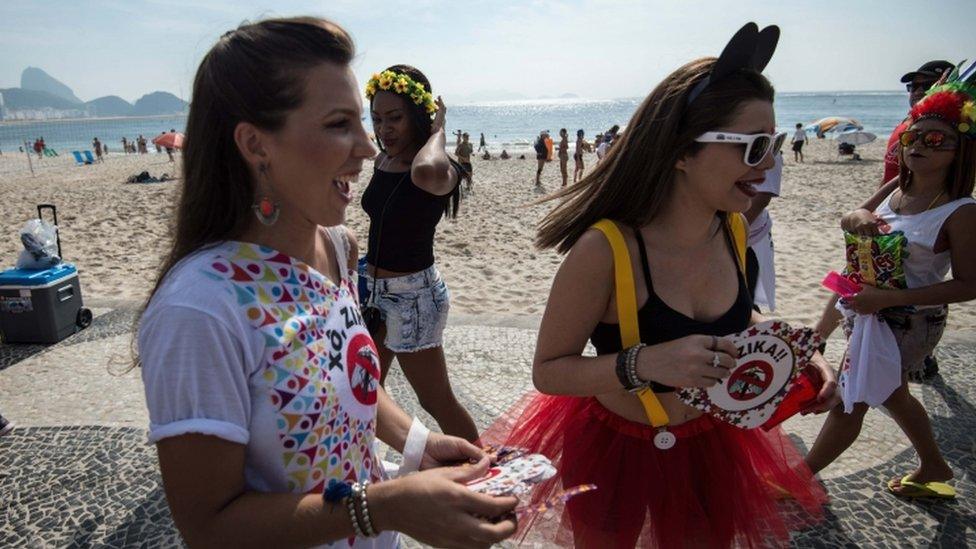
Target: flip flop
point(778, 491)
point(911, 489)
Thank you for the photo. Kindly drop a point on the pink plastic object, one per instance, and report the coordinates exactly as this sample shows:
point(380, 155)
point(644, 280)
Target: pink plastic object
point(840, 285)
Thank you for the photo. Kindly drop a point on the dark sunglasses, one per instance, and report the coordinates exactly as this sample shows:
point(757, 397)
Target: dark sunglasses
point(932, 139)
point(912, 86)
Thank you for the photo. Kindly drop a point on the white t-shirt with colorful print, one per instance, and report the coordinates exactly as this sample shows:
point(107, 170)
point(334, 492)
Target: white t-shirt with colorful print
point(252, 346)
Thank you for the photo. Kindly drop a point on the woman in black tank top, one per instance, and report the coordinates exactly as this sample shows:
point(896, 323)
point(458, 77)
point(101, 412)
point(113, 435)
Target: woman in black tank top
point(414, 185)
point(699, 481)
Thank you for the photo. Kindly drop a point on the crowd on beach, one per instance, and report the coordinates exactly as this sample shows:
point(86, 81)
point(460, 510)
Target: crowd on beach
point(266, 341)
point(140, 145)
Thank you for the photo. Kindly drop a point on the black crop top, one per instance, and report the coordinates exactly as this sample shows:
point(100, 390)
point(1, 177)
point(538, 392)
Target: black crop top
point(660, 323)
point(407, 245)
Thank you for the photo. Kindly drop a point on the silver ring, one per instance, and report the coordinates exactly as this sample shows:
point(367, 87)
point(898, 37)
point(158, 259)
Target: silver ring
point(716, 362)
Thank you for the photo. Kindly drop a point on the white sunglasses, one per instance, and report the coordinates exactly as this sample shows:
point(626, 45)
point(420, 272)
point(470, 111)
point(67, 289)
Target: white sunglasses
point(758, 145)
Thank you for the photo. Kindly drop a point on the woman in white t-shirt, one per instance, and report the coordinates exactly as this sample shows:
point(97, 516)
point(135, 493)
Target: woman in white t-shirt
point(261, 379)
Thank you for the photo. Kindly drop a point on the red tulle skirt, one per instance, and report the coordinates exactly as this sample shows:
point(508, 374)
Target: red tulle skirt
point(718, 486)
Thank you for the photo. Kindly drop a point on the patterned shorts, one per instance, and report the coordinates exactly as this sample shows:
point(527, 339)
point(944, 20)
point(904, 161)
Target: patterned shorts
point(414, 308)
point(917, 334)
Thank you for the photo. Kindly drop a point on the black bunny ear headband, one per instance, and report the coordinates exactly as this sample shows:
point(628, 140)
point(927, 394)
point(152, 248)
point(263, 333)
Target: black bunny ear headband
point(750, 48)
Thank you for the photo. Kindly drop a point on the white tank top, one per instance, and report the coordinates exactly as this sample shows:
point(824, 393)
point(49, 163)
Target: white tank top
point(923, 267)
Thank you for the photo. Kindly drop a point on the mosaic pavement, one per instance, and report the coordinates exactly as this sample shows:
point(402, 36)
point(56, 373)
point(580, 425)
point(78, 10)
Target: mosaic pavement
point(77, 471)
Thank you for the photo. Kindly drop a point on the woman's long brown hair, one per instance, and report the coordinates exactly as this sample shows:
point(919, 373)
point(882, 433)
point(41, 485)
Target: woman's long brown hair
point(254, 74)
point(634, 181)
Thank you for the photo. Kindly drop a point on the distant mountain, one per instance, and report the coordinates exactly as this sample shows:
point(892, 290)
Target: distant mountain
point(158, 103)
point(18, 98)
point(37, 80)
point(110, 105)
point(569, 96)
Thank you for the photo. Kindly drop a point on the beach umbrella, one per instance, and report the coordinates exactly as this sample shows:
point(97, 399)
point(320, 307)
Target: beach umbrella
point(170, 140)
point(824, 125)
point(854, 137)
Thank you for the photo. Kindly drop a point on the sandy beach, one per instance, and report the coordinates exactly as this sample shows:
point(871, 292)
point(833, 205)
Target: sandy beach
point(116, 233)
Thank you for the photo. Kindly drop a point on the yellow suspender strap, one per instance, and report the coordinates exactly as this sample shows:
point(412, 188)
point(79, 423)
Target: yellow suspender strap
point(627, 312)
point(737, 225)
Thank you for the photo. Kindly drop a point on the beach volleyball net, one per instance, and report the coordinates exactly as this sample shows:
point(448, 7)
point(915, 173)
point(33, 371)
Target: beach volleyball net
point(44, 147)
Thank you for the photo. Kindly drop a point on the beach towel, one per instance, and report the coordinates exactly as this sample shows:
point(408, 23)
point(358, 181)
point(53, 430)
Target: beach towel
point(871, 370)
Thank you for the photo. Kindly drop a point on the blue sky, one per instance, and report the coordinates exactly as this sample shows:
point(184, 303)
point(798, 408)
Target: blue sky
point(489, 50)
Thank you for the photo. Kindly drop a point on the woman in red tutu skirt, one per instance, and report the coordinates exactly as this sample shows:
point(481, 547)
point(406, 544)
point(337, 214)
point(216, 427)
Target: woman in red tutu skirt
point(666, 185)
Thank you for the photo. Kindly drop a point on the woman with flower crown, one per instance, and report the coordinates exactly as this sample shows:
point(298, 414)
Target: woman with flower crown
point(934, 209)
point(414, 185)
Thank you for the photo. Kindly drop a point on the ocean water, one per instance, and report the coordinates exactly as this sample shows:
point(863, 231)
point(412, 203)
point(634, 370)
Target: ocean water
point(512, 125)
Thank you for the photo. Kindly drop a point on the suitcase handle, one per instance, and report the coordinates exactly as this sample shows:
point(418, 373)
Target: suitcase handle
point(54, 214)
point(65, 293)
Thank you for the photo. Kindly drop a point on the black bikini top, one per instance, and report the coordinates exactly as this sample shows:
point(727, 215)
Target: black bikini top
point(660, 323)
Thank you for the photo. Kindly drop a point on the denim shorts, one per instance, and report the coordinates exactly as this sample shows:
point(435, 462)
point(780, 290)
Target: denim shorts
point(414, 308)
point(917, 333)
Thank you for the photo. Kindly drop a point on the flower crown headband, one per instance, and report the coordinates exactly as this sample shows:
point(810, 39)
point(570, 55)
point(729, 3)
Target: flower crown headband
point(402, 84)
point(953, 100)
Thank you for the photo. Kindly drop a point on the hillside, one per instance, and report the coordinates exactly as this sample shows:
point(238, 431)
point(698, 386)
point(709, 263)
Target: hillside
point(158, 103)
point(36, 79)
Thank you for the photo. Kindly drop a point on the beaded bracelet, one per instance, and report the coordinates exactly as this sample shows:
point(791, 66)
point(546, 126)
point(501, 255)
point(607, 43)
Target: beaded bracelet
point(340, 492)
point(635, 380)
point(364, 511)
point(351, 507)
point(626, 368)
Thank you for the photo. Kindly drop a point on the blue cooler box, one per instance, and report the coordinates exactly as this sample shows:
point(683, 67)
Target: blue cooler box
point(41, 306)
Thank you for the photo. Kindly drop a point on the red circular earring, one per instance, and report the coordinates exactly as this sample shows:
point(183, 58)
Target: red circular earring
point(266, 209)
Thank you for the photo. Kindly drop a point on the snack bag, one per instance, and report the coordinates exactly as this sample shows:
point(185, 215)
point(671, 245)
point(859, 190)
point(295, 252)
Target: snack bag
point(877, 260)
point(515, 472)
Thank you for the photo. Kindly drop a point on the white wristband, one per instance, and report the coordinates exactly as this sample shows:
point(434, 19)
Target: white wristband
point(413, 448)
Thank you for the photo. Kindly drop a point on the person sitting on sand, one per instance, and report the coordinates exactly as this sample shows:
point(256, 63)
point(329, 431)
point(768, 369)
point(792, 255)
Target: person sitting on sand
point(933, 208)
point(486, 156)
point(261, 380)
point(504, 155)
point(414, 185)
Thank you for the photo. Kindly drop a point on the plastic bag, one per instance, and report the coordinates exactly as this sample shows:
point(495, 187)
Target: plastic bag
point(40, 240)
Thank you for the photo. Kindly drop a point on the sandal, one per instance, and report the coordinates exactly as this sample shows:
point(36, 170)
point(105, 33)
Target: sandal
point(912, 490)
